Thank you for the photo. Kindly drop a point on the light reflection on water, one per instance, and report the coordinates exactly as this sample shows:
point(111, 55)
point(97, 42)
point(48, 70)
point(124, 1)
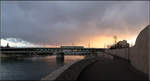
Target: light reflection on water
point(33, 68)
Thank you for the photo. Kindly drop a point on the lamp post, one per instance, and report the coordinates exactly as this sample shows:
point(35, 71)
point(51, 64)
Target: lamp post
point(115, 39)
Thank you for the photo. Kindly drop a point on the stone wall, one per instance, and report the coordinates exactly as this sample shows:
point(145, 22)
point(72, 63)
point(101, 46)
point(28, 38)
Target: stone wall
point(138, 54)
point(119, 52)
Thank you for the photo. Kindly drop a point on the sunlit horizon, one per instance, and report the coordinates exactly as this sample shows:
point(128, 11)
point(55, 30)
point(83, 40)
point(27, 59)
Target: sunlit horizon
point(96, 42)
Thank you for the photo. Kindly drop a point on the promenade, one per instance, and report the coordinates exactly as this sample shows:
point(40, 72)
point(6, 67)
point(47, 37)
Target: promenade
point(108, 69)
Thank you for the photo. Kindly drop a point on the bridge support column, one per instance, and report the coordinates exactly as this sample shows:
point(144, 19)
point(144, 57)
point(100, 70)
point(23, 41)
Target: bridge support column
point(60, 58)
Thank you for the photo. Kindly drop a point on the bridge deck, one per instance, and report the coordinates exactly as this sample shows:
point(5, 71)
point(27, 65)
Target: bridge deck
point(107, 69)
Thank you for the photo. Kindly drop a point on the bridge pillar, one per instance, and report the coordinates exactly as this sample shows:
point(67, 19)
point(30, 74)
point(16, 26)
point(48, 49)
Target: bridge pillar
point(60, 58)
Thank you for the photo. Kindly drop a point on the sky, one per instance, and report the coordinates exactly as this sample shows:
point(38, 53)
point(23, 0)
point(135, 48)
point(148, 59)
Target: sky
point(81, 23)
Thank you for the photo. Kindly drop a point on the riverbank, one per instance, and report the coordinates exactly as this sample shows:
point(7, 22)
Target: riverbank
point(70, 71)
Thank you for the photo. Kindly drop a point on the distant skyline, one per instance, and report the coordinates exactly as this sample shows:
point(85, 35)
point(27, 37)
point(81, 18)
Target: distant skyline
point(55, 23)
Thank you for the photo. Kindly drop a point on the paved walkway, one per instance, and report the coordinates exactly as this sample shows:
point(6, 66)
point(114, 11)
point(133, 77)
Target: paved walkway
point(107, 69)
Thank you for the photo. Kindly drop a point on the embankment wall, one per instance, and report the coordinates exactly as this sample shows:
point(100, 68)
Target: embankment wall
point(138, 55)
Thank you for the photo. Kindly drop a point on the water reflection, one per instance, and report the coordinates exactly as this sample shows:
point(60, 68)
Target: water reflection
point(60, 61)
point(8, 59)
point(32, 68)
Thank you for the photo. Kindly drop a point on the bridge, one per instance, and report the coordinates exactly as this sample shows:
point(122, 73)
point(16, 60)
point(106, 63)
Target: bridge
point(49, 51)
point(59, 52)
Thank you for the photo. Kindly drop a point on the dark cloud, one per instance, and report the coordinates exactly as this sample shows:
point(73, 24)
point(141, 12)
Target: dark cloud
point(51, 22)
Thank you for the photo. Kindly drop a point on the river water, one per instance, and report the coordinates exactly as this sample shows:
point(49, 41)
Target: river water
point(33, 68)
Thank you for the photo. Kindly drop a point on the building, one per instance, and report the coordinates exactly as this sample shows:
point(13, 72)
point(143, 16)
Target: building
point(123, 44)
point(120, 44)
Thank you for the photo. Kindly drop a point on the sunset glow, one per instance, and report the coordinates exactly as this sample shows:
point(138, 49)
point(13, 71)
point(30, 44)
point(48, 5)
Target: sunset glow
point(88, 24)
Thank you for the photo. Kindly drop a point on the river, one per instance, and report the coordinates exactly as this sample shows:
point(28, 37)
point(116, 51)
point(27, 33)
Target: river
point(33, 68)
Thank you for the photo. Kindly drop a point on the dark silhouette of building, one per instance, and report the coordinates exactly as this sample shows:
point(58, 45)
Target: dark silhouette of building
point(120, 44)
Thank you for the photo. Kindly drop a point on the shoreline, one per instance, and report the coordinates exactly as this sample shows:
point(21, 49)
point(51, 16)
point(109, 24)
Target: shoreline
point(74, 68)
